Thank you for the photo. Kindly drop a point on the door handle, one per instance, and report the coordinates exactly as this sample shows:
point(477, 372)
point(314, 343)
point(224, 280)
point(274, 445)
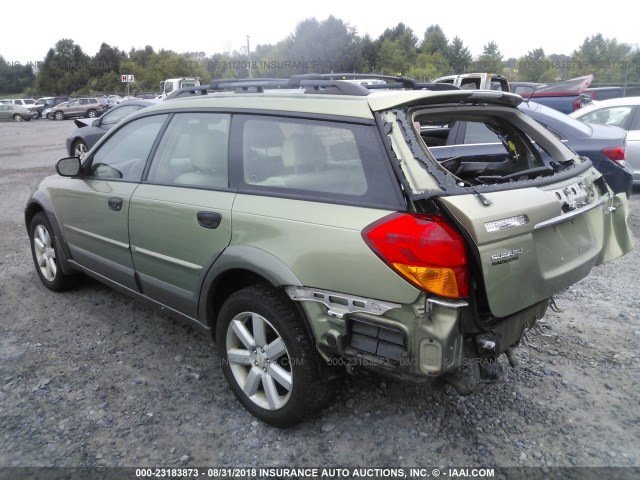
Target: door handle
point(209, 219)
point(115, 203)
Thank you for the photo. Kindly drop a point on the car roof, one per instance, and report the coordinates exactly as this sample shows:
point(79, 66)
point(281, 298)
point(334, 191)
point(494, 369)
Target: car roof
point(296, 100)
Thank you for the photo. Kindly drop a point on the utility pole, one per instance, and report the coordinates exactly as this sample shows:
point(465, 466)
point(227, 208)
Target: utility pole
point(249, 55)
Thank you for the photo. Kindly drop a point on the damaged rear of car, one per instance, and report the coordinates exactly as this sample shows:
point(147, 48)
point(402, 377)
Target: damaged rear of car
point(488, 239)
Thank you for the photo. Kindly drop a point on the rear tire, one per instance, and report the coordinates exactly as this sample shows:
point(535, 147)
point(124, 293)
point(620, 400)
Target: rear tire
point(59, 116)
point(267, 358)
point(18, 118)
point(46, 256)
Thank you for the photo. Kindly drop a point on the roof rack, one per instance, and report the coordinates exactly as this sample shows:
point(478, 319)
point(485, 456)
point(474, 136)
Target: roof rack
point(368, 80)
point(358, 84)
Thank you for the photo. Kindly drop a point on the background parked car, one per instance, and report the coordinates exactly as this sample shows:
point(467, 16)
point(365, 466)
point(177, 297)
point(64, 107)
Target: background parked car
point(46, 103)
point(27, 103)
point(17, 113)
point(621, 112)
point(89, 131)
point(604, 145)
point(80, 107)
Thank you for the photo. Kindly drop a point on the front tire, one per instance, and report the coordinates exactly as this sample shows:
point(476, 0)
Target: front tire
point(267, 358)
point(79, 148)
point(18, 118)
point(59, 116)
point(92, 114)
point(46, 256)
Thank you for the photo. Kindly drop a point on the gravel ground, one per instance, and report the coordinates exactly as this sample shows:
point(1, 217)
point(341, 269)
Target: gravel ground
point(93, 378)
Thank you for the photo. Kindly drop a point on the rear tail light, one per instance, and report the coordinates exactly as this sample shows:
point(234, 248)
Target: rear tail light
point(616, 154)
point(423, 249)
point(577, 104)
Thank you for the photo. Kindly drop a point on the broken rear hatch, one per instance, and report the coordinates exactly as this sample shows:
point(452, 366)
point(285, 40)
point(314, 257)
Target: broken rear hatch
point(537, 218)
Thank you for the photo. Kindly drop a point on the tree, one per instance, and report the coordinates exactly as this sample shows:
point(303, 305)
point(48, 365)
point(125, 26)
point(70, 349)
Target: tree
point(14, 78)
point(490, 60)
point(605, 58)
point(105, 70)
point(458, 56)
point(65, 69)
point(368, 53)
point(404, 38)
point(391, 58)
point(317, 47)
point(434, 41)
point(429, 66)
point(536, 67)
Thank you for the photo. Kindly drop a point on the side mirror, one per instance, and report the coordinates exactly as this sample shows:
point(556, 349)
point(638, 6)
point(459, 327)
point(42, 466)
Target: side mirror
point(68, 167)
point(96, 123)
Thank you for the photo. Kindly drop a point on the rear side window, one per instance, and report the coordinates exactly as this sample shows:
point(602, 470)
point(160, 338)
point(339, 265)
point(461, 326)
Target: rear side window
point(617, 116)
point(315, 159)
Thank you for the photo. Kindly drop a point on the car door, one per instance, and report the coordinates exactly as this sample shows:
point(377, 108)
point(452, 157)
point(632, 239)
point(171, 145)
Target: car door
point(180, 216)
point(5, 113)
point(94, 208)
point(71, 108)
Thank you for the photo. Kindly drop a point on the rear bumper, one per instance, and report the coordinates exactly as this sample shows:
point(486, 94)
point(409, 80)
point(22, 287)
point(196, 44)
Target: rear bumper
point(415, 343)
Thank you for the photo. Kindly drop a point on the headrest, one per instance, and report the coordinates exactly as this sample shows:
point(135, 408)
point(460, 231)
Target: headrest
point(208, 151)
point(303, 151)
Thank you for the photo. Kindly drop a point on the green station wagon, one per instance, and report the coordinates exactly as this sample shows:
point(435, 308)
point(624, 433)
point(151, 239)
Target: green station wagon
point(309, 229)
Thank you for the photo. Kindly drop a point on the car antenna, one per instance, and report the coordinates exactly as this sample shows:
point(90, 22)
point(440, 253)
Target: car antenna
point(533, 90)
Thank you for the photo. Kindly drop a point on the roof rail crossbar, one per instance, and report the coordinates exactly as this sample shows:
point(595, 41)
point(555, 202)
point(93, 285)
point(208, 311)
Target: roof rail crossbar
point(328, 83)
point(329, 86)
point(186, 91)
point(408, 82)
point(247, 83)
point(311, 85)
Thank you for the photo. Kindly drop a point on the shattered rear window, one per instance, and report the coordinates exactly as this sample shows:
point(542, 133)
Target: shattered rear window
point(486, 146)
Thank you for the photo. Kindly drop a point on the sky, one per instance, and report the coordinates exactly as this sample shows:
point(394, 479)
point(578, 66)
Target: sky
point(211, 27)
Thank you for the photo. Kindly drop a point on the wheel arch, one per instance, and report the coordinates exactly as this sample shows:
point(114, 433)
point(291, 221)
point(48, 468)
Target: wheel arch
point(40, 203)
point(239, 267)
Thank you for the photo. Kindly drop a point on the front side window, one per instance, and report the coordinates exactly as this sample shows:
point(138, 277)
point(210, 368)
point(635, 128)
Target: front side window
point(124, 155)
point(193, 151)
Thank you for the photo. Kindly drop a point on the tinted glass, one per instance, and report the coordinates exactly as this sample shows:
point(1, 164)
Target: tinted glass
point(304, 155)
point(124, 154)
point(327, 161)
point(114, 116)
point(618, 116)
point(193, 151)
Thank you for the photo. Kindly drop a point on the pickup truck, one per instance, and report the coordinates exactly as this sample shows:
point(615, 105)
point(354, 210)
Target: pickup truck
point(476, 81)
point(566, 97)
